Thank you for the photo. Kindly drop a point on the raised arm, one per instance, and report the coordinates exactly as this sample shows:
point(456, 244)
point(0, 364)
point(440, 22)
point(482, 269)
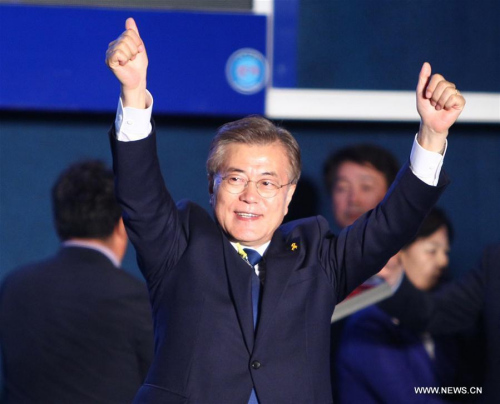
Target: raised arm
point(150, 215)
point(439, 105)
point(383, 231)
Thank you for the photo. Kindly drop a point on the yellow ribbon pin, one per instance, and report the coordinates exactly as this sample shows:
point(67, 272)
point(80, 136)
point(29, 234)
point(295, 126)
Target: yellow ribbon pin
point(294, 246)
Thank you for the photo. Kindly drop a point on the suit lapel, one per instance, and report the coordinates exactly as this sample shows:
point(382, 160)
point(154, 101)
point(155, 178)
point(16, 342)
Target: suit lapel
point(280, 262)
point(240, 282)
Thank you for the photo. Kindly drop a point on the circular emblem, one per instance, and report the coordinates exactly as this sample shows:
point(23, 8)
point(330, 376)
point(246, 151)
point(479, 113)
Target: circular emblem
point(246, 71)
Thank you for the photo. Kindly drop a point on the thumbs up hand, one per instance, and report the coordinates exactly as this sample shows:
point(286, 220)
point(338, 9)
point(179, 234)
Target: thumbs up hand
point(439, 104)
point(127, 58)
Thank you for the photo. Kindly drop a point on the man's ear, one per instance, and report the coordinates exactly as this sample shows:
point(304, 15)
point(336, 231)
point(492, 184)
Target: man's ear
point(210, 184)
point(289, 194)
point(211, 187)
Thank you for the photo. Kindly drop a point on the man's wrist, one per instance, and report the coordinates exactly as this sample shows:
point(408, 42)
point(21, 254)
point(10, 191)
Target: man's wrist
point(431, 140)
point(134, 98)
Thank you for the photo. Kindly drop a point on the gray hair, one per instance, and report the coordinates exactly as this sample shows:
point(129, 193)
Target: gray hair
point(253, 130)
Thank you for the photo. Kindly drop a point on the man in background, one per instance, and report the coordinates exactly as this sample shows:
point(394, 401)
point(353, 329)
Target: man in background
point(357, 178)
point(76, 328)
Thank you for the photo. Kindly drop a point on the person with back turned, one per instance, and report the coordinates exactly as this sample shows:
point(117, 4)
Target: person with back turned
point(76, 328)
point(242, 304)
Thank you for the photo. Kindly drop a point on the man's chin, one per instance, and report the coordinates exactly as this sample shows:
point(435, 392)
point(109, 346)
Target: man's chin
point(249, 240)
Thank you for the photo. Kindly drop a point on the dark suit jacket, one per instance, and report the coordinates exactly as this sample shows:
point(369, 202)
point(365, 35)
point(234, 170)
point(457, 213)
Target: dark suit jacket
point(74, 329)
point(464, 303)
point(206, 350)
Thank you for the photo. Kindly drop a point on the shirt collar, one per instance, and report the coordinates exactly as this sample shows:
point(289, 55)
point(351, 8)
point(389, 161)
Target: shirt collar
point(261, 249)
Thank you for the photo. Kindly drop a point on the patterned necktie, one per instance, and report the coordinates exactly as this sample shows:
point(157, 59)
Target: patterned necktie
point(253, 258)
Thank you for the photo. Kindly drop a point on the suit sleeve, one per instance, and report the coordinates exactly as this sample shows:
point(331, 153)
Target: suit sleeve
point(455, 308)
point(144, 336)
point(150, 215)
point(363, 248)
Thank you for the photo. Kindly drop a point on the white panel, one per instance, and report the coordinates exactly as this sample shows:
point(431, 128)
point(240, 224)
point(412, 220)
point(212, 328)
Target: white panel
point(263, 7)
point(310, 104)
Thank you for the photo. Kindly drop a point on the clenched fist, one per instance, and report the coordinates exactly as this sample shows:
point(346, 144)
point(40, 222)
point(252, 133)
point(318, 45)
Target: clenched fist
point(439, 104)
point(127, 58)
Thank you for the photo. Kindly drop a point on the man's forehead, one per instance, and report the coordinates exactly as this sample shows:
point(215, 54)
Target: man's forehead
point(235, 153)
point(252, 146)
point(357, 177)
point(359, 170)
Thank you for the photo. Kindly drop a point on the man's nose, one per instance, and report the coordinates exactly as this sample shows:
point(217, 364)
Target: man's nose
point(250, 193)
point(353, 196)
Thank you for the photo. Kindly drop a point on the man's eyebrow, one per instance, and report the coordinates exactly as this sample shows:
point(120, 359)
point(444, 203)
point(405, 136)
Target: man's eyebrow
point(234, 170)
point(368, 177)
point(239, 170)
point(270, 173)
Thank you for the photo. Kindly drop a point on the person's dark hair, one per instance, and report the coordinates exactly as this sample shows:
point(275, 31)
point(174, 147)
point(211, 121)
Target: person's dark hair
point(433, 222)
point(254, 130)
point(84, 203)
point(364, 154)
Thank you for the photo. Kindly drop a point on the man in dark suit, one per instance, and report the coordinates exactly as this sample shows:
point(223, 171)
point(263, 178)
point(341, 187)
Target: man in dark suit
point(471, 301)
point(231, 328)
point(76, 328)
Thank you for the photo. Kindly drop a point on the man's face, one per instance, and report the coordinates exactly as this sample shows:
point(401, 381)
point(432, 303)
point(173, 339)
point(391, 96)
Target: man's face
point(357, 189)
point(248, 217)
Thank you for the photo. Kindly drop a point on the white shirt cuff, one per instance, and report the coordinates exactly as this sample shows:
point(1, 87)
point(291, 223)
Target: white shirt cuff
point(133, 123)
point(426, 165)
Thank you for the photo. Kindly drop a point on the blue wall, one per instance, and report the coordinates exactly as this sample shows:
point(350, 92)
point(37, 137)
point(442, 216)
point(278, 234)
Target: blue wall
point(35, 149)
point(366, 44)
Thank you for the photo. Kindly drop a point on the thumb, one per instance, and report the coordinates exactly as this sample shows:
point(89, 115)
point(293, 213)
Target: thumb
point(423, 79)
point(130, 24)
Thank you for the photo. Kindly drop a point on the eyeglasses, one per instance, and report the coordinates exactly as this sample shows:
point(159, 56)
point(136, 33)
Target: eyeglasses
point(236, 185)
